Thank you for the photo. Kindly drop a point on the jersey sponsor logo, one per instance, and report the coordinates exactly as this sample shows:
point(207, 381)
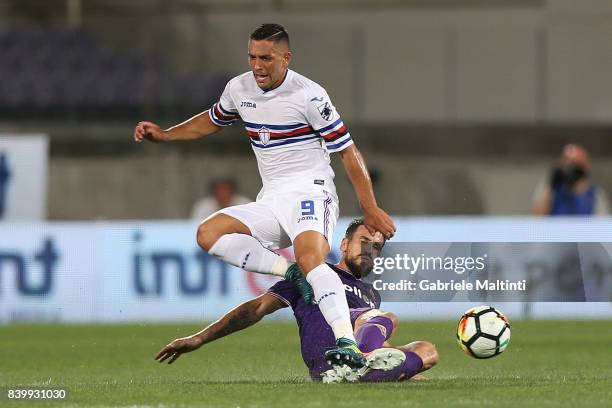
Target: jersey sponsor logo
point(264, 135)
point(317, 99)
point(325, 110)
point(355, 290)
point(319, 182)
point(244, 104)
point(307, 218)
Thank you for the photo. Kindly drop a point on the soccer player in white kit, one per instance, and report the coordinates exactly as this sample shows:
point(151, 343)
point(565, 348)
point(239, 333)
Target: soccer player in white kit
point(292, 126)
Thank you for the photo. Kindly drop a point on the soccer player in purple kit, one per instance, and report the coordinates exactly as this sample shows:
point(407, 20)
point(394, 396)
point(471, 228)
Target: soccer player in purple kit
point(372, 326)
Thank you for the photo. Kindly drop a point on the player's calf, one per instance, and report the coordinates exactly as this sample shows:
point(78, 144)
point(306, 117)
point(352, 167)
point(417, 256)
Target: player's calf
point(390, 364)
point(425, 350)
point(311, 249)
point(229, 240)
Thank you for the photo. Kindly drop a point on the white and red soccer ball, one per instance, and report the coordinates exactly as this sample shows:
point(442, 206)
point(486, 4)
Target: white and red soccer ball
point(483, 332)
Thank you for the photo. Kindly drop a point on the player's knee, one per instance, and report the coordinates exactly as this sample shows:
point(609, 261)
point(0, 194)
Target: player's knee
point(207, 235)
point(217, 225)
point(393, 317)
point(308, 261)
point(388, 319)
point(434, 357)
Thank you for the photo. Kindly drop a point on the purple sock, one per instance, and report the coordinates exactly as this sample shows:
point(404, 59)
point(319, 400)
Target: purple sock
point(410, 367)
point(369, 336)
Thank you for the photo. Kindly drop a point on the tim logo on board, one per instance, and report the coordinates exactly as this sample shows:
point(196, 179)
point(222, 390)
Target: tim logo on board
point(154, 272)
point(5, 177)
point(32, 278)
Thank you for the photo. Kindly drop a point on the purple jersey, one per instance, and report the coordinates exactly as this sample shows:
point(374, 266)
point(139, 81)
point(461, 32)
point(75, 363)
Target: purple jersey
point(315, 333)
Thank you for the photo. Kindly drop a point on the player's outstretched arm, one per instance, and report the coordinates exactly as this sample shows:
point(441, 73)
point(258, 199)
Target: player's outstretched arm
point(375, 219)
point(193, 128)
point(241, 317)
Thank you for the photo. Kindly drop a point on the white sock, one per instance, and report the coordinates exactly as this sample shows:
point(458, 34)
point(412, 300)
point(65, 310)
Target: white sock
point(329, 294)
point(246, 252)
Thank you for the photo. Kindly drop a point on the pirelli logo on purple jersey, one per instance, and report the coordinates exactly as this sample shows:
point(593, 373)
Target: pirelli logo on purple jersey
point(355, 290)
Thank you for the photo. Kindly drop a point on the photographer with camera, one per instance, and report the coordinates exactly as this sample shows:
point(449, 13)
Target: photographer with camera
point(570, 190)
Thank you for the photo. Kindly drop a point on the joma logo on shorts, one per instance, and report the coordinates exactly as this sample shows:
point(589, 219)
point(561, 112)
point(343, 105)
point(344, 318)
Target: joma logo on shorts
point(248, 104)
point(307, 218)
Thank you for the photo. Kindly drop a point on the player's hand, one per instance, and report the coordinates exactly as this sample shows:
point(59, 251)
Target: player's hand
point(149, 131)
point(177, 347)
point(375, 219)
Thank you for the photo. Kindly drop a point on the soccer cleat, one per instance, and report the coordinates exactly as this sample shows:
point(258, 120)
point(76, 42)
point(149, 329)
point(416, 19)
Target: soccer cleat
point(345, 352)
point(295, 276)
point(336, 374)
point(384, 359)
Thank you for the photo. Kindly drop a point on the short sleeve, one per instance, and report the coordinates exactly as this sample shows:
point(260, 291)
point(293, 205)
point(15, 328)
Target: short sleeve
point(285, 291)
point(224, 112)
point(323, 117)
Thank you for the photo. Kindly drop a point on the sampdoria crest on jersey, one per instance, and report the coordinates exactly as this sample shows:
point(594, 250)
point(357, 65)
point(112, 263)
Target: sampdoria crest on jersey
point(264, 135)
point(325, 110)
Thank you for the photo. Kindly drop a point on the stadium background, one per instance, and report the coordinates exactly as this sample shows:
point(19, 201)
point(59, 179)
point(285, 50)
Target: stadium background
point(461, 107)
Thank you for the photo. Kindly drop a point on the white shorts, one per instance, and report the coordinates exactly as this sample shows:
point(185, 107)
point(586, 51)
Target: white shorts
point(277, 219)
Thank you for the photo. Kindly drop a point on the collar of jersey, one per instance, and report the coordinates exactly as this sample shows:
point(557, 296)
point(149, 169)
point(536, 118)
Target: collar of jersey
point(283, 84)
point(346, 272)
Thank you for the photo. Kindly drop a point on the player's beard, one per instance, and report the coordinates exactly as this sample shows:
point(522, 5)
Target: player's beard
point(360, 265)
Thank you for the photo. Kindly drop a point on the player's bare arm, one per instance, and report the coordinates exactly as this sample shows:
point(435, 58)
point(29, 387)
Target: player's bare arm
point(193, 128)
point(375, 219)
point(239, 318)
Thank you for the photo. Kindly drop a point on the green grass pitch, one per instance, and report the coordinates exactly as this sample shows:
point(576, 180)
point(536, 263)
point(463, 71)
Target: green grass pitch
point(548, 364)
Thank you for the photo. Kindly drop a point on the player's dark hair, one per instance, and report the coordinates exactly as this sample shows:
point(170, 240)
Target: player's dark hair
point(352, 227)
point(270, 32)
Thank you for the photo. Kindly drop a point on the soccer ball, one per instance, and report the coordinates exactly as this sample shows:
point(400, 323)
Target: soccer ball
point(483, 332)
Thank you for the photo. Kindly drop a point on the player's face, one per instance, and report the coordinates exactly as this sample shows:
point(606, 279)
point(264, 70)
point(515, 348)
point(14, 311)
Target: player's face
point(360, 251)
point(269, 61)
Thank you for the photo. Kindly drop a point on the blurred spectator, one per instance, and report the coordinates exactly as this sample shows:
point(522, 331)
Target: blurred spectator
point(223, 193)
point(570, 190)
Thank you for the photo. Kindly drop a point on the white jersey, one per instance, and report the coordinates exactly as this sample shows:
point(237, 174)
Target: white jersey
point(292, 129)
